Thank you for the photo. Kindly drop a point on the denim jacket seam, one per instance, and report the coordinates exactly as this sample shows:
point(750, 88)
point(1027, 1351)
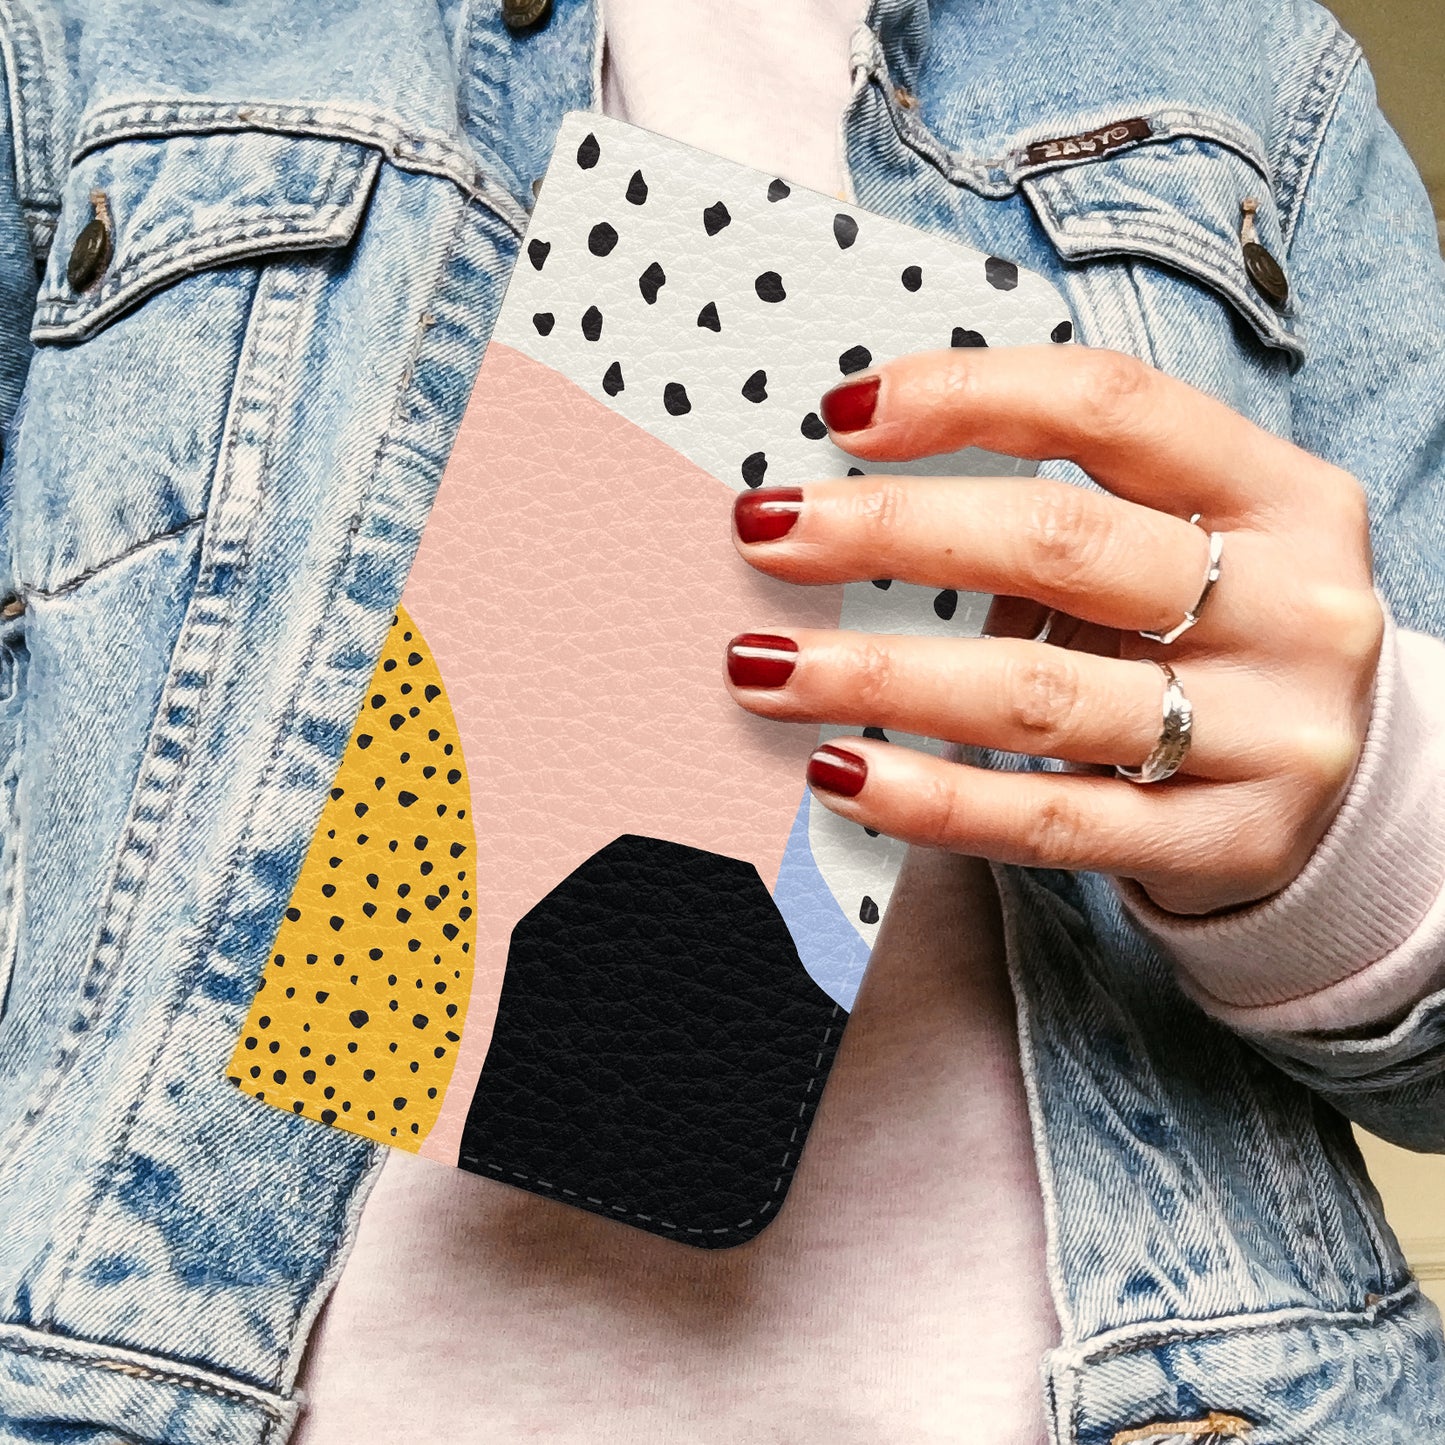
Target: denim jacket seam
point(147, 1372)
point(1342, 57)
point(999, 176)
point(1294, 1319)
point(50, 594)
point(409, 148)
point(1148, 1337)
point(295, 713)
point(1169, 122)
point(163, 761)
point(211, 628)
point(32, 118)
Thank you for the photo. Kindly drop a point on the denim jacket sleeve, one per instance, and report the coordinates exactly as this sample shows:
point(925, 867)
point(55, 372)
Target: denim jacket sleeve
point(1367, 275)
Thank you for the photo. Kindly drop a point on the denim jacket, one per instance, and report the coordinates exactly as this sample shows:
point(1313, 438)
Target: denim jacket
point(219, 459)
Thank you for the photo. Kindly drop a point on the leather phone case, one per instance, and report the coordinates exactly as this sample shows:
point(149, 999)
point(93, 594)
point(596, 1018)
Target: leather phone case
point(571, 919)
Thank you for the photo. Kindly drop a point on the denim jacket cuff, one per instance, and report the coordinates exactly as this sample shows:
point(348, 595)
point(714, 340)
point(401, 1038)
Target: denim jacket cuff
point(1358, 938)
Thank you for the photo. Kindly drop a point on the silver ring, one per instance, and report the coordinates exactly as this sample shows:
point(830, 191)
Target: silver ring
point(1042, 635)
point(1211, 576)
point(1174, 737)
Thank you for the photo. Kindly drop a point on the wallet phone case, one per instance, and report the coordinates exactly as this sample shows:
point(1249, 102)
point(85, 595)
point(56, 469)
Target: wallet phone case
point(571, 919)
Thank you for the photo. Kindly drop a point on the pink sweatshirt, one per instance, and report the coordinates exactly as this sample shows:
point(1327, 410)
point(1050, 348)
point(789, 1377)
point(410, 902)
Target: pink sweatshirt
point(901, 1295)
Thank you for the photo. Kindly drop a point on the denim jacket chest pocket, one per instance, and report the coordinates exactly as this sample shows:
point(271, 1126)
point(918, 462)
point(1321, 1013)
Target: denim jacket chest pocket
point(1151, 242)
point(156, 327)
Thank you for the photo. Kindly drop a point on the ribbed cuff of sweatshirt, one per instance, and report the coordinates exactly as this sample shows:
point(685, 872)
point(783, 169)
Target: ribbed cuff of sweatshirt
point(1358, 938)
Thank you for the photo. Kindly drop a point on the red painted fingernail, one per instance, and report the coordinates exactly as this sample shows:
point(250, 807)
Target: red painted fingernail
point(837, 771)
point(766, 515)
point(849, 407)
point(758, 659)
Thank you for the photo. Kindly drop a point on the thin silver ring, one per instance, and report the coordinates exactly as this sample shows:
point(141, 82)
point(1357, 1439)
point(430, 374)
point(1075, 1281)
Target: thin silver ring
point(1042, 635)
point(1174, 737)
point(1211, 576)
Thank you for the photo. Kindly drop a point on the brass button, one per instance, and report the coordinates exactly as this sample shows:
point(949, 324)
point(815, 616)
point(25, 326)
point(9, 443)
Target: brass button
point(91, 253)
point(525, 14)
point(1265, 274)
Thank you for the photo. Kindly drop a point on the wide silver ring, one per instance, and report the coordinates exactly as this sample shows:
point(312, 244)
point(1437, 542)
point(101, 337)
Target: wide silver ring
point(1174, 736)
point(1211, 576)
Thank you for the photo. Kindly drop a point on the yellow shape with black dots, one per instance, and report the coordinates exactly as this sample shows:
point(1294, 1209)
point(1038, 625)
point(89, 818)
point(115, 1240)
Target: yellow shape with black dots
point(359, 1012)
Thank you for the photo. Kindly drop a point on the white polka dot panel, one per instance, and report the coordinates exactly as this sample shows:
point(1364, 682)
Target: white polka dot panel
point(713, 305)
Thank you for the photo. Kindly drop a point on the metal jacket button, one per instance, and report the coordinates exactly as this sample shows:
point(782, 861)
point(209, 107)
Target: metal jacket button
point(525, 14)
point(91, 253)
point(1265, 274)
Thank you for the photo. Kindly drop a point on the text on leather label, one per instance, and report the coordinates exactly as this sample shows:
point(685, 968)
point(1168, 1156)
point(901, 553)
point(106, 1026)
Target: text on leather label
point(1091, 143)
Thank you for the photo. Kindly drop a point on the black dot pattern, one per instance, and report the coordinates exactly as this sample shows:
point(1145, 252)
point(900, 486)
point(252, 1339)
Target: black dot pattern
point(715, 217)
point(637, 189)
point(651, 282)
point(708, 317)
point(537, 253)
point(544, 321)
point(813, 428)
point(592, 323)
point(1002, 275)
point(345, 996)
point(845, 229)
point(602, 238)
point(963, 337)
point(589, 152)
point(612, 379)
point(755, 468)
point(856, 358)
point(755, 388)
point(912, 278)
point(779, 190)
point(1064, 331)
point(769, 287)
point(674, 398)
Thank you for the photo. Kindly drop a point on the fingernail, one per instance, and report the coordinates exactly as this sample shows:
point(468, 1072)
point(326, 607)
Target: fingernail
point(837, 771)
point(849, 407)
point(758, 659)
point(766, 515)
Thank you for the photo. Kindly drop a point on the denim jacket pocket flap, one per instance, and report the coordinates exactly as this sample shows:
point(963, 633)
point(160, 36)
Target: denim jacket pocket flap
point(1179, 202)
point(137, 214)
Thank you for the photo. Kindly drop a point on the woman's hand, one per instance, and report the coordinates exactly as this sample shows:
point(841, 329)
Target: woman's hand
point(1279, 668)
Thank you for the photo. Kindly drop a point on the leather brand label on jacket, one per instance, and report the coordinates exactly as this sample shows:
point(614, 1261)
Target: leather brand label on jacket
point(1091, 143)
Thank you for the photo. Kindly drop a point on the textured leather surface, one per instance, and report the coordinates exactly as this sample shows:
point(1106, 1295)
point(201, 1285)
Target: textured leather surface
point(659, 1030)
point(659, 1052)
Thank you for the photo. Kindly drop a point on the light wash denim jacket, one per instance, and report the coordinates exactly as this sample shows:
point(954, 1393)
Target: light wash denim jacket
point(219, 461)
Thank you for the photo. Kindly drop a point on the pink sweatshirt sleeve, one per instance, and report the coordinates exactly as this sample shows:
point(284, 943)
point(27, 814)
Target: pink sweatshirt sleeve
point(1359, 937)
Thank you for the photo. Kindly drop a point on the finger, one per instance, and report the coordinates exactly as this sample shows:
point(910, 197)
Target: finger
point(1021, 697)
point(1115, 563)
point(1069, 821)
point(1140, 433)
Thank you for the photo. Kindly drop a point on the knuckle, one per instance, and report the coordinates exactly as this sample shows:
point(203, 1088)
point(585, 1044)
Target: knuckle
point(1322, 758)
point(1348, 504)
point(938, 815)
point(1052, 833)
point(881, 507)
point(1068, 534)
point(1117, 390)
point(873, 678)
point(1350, 620)
point(1043, 697)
